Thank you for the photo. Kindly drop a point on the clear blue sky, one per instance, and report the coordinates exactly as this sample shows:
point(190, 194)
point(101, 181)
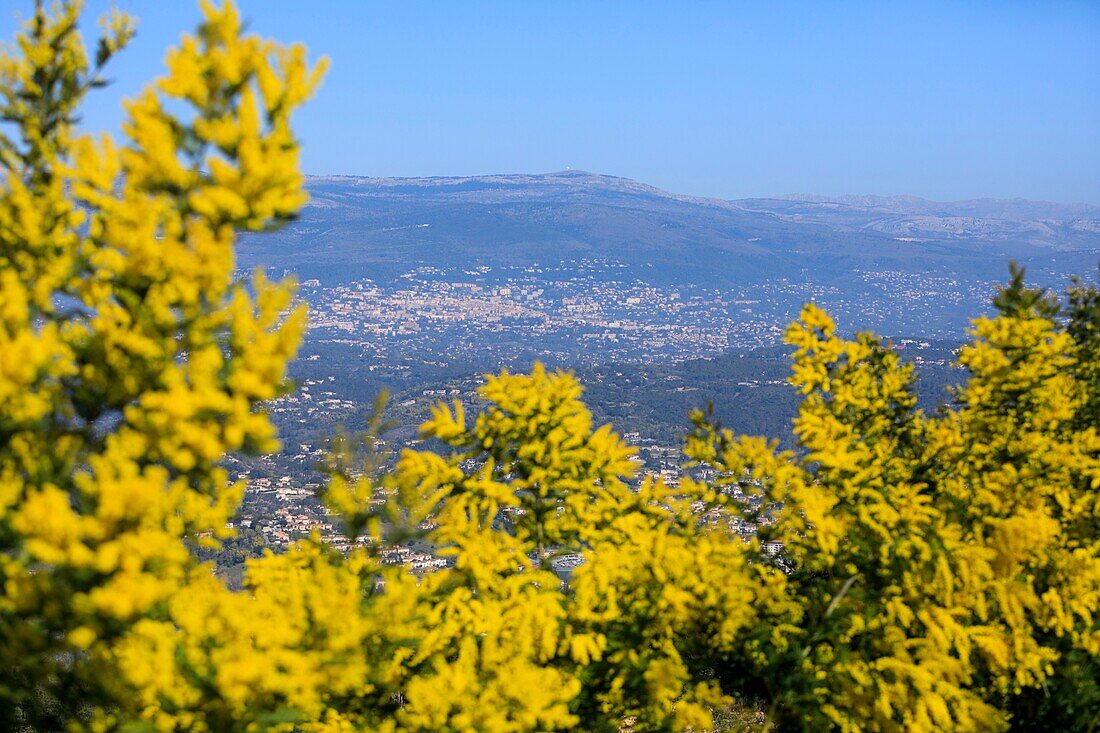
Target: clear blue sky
point(945, 100)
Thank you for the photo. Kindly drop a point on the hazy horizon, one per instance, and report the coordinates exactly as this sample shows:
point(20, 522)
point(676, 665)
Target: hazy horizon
point(766, 195)
point(945, 101)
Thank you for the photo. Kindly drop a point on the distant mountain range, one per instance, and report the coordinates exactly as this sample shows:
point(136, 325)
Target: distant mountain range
point(1008, 209)
point(1063, 227)
point(379, 227)
point(575, 268)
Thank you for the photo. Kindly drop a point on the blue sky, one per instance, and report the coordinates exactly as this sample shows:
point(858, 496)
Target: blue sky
point(945, 100)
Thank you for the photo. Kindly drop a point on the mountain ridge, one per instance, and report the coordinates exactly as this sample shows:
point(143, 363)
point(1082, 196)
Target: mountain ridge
point(574, 266)
point(1022, 208)
point(1014, 209)
point(361, 227)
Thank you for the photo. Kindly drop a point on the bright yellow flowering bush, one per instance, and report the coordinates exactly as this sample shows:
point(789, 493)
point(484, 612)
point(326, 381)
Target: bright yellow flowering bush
point(324, 641)
point(945, 567)
point(130, 361)
point(937, 572)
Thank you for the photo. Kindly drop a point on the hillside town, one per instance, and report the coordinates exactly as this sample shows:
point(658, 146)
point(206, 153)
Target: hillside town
point(591, 311)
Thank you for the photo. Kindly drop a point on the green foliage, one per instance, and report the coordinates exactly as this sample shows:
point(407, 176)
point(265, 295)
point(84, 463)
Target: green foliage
point(245, 544)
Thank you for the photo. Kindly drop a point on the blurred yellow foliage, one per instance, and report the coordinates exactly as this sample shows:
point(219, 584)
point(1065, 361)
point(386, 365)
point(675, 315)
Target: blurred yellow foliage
point(130, 360)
